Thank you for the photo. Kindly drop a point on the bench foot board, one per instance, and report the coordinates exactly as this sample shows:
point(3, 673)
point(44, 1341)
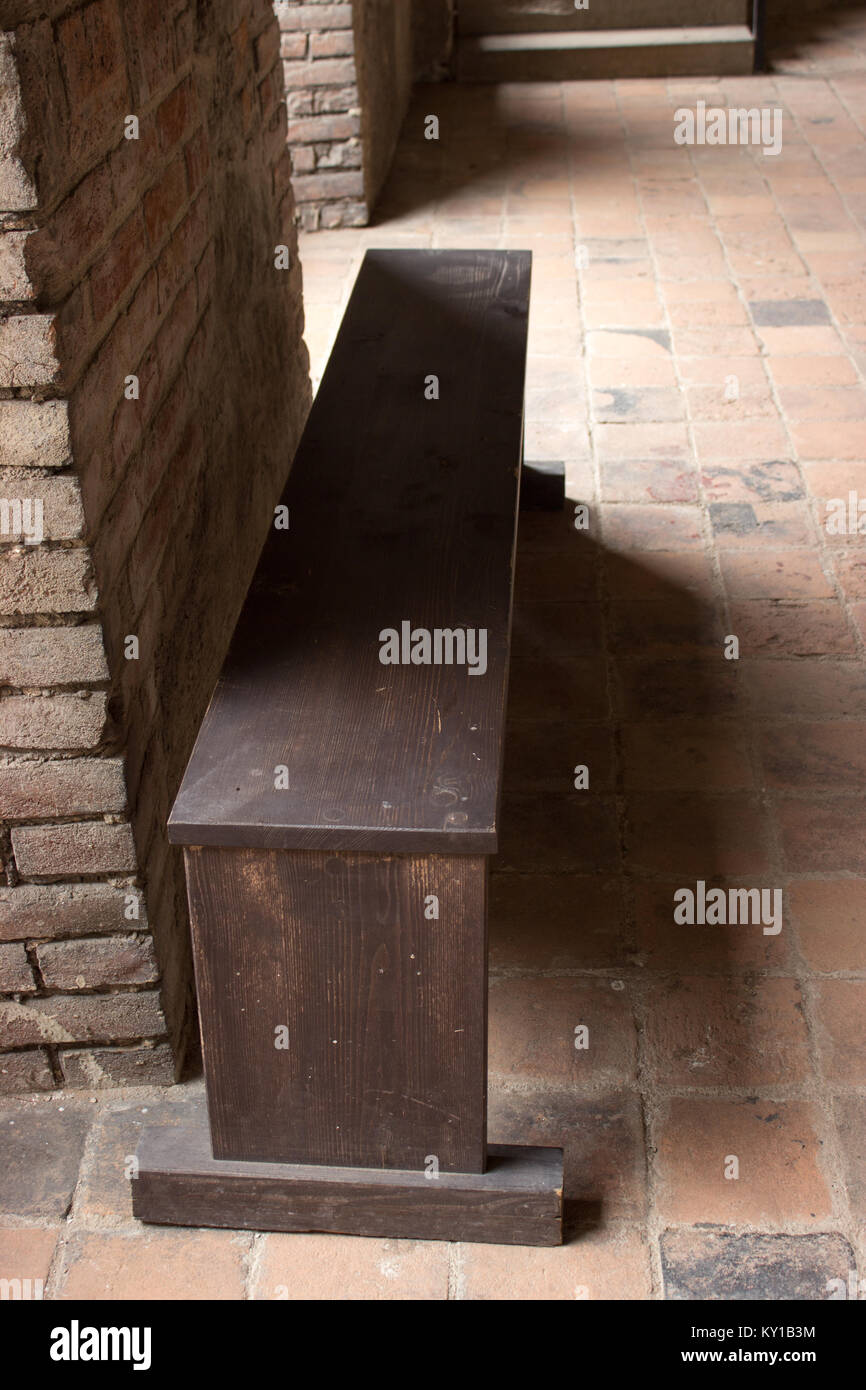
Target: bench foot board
point(518, 1201)
point(542, 487)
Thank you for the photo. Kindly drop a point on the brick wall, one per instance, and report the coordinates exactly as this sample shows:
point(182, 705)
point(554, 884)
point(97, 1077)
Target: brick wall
point(153, 386)
point(347, 71)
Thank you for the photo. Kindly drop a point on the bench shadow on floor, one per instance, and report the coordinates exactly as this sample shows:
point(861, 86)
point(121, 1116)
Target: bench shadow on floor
point(617, 667)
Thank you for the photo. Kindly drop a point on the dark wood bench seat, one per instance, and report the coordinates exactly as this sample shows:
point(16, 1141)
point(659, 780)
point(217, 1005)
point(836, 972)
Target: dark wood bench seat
point(339, 810)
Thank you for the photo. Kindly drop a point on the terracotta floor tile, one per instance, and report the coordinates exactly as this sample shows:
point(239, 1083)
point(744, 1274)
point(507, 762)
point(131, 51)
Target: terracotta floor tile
point(557, 922)
point(696, 835)
point(776, 480)
point(816, 628)
point(155, 1264)
point(25, 1254)
point(776, 1144)
point(541, 757)
point(811, 372)
point(747, 525)
point(824, 835)
point(831, 755)
point(602, 1138)
point(829, 916)
point(774, 574)
point(726, 1032)
point(629, 528)
point(807, 689)
point(728, 950)
point(599, 1265)
point(656, 574)
point(851, 1122)
point(842, 1029)
point(336, 1268)
point(535, 1025)
point(648, 480)
point(739, 439)
point(721, 1265)
point(545, 833)
point(686, 754)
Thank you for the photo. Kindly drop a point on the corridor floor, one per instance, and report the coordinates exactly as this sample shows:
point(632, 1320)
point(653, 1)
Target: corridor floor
point(697, 359)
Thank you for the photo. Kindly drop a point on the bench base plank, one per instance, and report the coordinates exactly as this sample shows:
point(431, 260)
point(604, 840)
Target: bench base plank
point(518, 1201)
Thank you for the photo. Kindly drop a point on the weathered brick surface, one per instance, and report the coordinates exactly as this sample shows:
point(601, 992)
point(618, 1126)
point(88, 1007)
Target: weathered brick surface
point(52, 721)
point(98, 962)
point(16, 975)
point(59, 495)
point(64, 1018)
point(34, 910)
point(52, 655)
point(87, 847)
point(25, 1071)
point(138, 293)
point(34, 434)
point(317, 48)
point(36, 580)
point(101, 1068)
point(27, 350)
point(72, 787)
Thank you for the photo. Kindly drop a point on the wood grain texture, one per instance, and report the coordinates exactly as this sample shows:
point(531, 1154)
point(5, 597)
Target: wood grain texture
point(518, 1201)
point(401, 508)
point(385, 1009)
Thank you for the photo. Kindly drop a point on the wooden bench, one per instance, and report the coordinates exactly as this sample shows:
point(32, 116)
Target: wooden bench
point(341, 802)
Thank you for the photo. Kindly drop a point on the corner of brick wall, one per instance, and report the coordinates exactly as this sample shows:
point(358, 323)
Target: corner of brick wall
point(153, 387)
point(317, 47)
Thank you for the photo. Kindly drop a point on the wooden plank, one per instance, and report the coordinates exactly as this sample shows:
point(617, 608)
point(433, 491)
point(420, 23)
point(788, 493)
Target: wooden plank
point(385, 1008)
point(400, 509)
point(518, 1201)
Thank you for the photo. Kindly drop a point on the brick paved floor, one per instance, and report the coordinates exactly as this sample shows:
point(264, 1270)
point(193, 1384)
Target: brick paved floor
point(702, 375)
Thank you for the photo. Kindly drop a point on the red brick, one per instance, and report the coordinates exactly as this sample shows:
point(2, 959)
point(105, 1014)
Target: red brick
point(103, 1068)
point(310, 128)
point(52, 721)
point(34, 434)
point(81, 1018)
point(120, 268)
point(34, 580)
point(28, 350)
point(24, 1071)
point(73, 786)
point(197, 156)
point(335, 43)
point(88, 847)
point(67, 909)
point(163, 202)
point(52, 655)
point(98, 962)
point(175, 115)
point(328, 72)
point(16, 977)
point(292, 16)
